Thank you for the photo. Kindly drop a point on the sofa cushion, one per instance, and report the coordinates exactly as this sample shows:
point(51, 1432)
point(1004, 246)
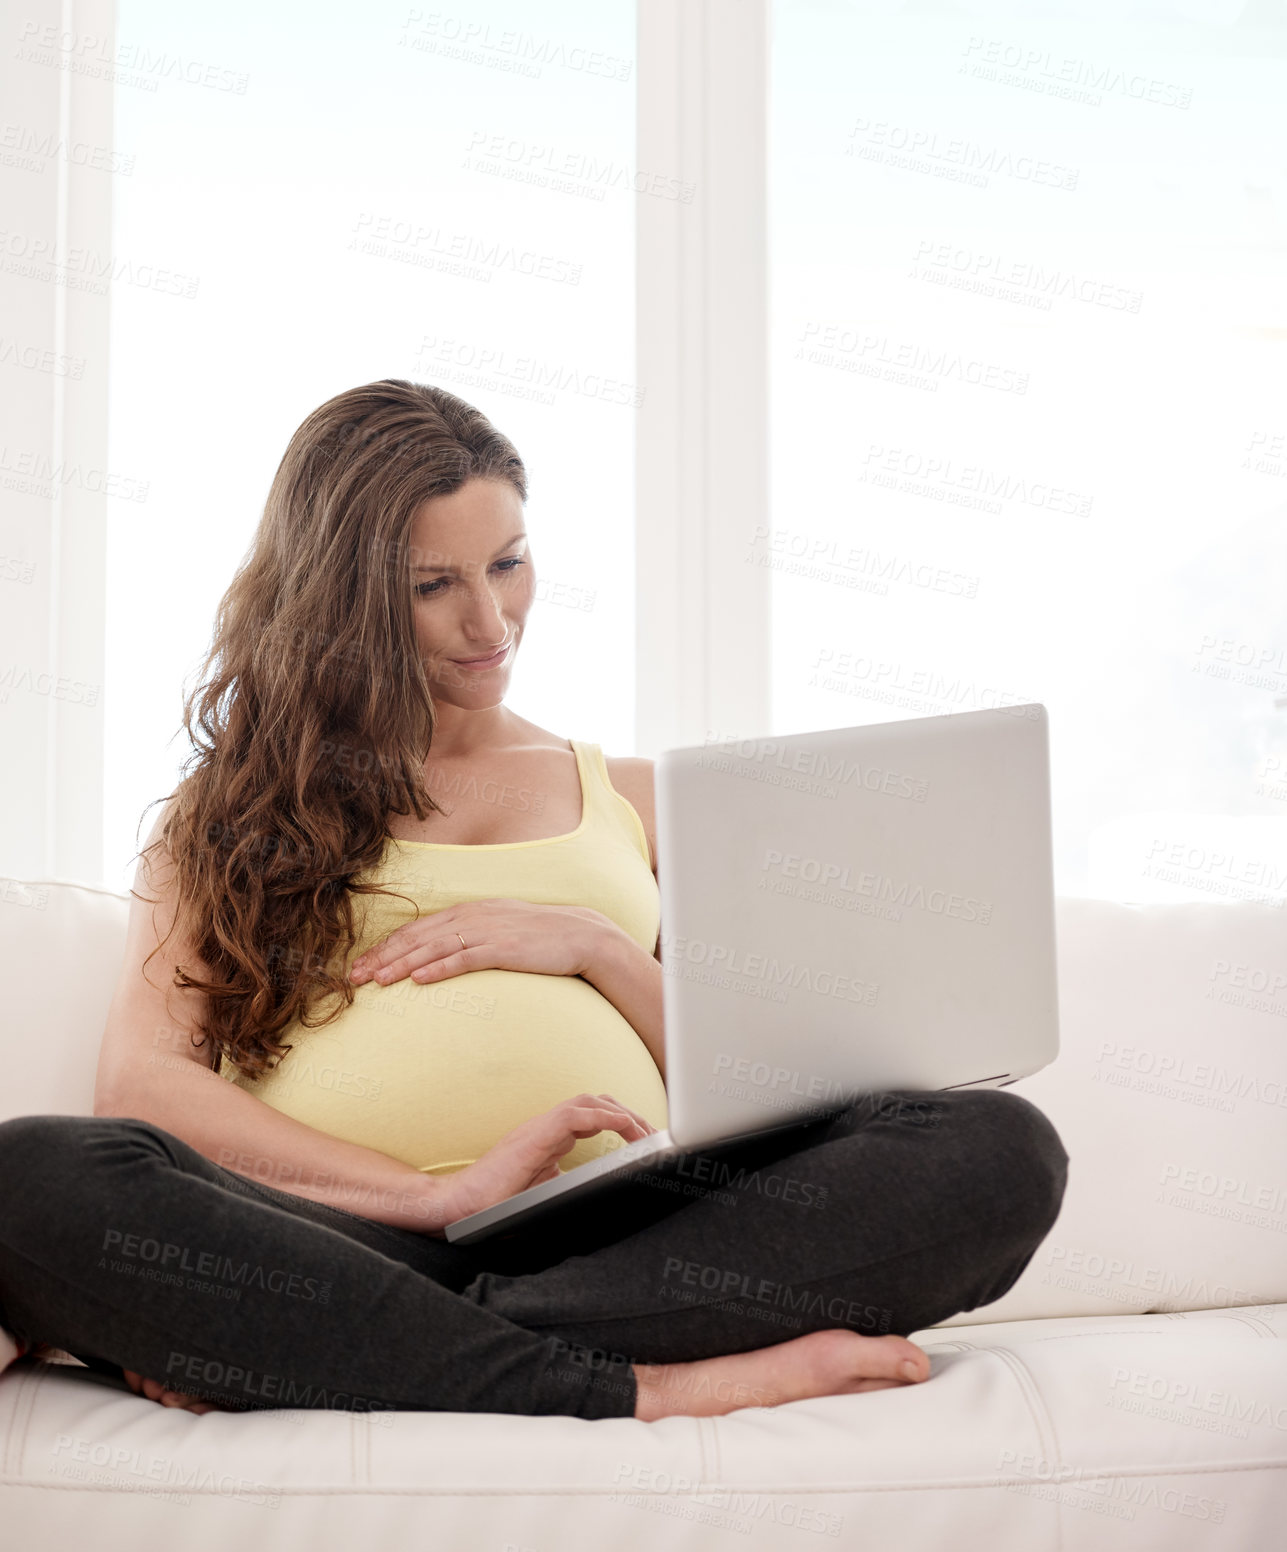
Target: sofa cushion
point(1170, 1094)
point(1119, 1433)
point(61, 945)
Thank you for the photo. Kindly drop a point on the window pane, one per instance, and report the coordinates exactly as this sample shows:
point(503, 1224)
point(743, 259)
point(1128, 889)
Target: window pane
point(323, 195)
point(1029, 426)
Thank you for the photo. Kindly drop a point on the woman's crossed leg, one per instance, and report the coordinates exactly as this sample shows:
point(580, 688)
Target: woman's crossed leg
point(751, 1273)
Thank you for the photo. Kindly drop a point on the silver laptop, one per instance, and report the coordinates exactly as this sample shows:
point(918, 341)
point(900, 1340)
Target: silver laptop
point(843, 913)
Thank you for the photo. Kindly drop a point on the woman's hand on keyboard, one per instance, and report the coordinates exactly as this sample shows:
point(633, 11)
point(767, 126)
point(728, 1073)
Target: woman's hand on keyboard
point(530, 1154)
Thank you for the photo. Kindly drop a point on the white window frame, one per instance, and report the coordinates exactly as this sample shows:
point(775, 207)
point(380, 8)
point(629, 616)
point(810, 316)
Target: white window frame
point(701, 448)
point(53, 628)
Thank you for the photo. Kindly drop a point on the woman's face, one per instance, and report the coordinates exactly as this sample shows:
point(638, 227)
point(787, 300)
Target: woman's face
point(472, 585)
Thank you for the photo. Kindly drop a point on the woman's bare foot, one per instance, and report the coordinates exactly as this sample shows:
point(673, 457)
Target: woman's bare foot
point(155, 1391)
point(823, 1363)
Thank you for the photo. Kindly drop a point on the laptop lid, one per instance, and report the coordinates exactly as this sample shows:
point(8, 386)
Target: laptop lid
point(854, 910)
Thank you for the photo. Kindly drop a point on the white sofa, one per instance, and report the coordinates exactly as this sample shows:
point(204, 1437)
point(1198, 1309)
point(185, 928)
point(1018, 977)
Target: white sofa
point(1129, 1392)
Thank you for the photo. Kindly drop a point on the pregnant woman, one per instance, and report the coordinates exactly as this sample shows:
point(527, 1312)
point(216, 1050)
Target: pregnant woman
point(391, 958)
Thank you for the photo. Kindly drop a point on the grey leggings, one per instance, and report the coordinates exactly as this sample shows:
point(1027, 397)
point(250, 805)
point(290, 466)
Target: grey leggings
point(123, 1245)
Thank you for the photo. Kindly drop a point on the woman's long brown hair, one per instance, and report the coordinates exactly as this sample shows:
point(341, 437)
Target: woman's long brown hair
point(312, 716)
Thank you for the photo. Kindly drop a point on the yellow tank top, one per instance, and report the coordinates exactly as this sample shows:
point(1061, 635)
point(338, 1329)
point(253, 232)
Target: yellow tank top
point(435, 1073)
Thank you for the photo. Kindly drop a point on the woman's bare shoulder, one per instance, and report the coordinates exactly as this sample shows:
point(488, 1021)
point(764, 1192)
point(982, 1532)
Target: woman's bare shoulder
point(632, 776)
point(634, 770)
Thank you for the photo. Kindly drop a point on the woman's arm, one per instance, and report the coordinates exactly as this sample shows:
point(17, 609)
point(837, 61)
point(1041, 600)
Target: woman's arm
point(148, 1068)
point(626, 975)
point(630, 978)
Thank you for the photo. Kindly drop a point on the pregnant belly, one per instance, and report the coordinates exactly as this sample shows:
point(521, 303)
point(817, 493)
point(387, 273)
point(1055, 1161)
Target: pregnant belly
point(435, 1074)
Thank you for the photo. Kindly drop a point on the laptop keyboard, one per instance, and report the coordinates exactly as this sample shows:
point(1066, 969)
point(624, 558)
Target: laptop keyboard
point(642, 1147)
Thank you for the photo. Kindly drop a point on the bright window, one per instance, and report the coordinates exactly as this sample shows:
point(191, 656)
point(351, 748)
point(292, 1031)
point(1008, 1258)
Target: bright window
point(342, 194)
point(1029, 438)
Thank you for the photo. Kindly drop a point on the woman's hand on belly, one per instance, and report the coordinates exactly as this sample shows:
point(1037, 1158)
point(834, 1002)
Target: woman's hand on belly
point(497, 934)
point(531, 1152)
